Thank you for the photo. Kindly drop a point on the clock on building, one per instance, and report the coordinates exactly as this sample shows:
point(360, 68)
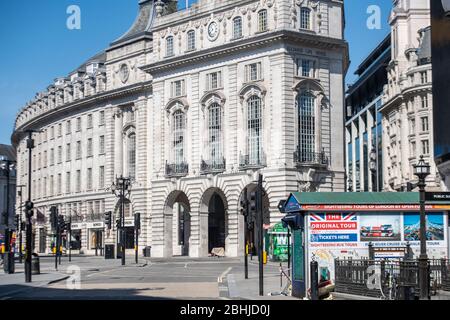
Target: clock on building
point(213, 31)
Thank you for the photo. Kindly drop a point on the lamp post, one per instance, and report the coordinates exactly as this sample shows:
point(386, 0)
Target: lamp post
point(6, 167)
point(373, 168)
point(122, 188)
point(422, 170)
point(19, 227)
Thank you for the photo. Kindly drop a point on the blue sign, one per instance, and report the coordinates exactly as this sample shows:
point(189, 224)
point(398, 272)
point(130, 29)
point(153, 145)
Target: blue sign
point(292, 205)
point(334, 237)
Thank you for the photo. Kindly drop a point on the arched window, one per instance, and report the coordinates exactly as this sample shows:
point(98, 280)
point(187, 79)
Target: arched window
point(254, 130)
point(169, 46)
point(132, 155)
point(306, 126)
point(262, 20)
point(191, 40)
point(237, 28)
point(215, 133)
point(179, 126)
point(305, 18)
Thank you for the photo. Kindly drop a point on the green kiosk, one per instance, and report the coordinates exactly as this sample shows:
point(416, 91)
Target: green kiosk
point(340, 225)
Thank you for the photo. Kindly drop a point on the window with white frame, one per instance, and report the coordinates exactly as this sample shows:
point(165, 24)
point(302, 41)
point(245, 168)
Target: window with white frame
point(132, 155)
point(424, 77)
point(425, 147)
point(179, 127)
point(68, 183)
point(89, 147)
point(214, 80)
point(59, 184)
point(305, 18)
point(178, 88)
point(101, 121)
point(101, 144)
point(79, 124)
point(52, 156)
point(254, 129)
point(215, 133)
point(262, 20)
point(90, 122)
point(78, 183)
point(424, 123)
point(60, 130)
point(237, 28)
point(424, 101)
point(101, 177)
point(191, 40)
point(169, 46)
point(68, 153)
point(78, 150)
point(59, 154)
point(306, 68)
point(253, 72)
point(89, 179)
point(68, 127)
point(306, 126)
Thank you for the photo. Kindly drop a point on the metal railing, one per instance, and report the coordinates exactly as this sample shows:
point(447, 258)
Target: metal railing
point(251, 161)
point(305, 158)
point(213, 166)
point(177, 169)
point(357, 276)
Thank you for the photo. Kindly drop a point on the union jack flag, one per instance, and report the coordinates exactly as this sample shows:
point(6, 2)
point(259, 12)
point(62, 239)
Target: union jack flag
point(323, 216)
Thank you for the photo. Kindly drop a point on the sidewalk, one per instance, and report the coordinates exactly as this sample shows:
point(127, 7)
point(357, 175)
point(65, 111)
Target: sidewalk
point(248, 289)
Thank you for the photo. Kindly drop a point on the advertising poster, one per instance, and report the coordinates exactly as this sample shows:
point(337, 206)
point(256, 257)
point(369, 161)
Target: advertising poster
point(434, 226)
point(380, 227)
point(331, 229)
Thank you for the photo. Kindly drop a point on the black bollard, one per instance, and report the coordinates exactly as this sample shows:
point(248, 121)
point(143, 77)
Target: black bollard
point(314, 280)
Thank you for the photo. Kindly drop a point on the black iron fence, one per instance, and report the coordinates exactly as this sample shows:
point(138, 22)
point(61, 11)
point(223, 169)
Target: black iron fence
point(177, 169)
point(381, 278)
point(248, 161)
point(212, 166)
point(316, 158)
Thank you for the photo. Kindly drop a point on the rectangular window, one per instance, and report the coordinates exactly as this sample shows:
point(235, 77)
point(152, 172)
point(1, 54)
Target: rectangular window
point(412, 126)
point(89, 178)
point(52, 186)
point(45, 159)
point(305, 18)
point(68, 182)
point(214, 81)
point(101, 118)
point(191, 40)
point(90, 122)
point(52, 132)
point(78, 149)
point(60, 130)
point(169, 47)
point(424, 100)
point(89, 147)
point(178, 88)
point(101, 182)
point(262, 20)
point(78, 180)
point(52, 156)
point(237, 28)
point(253, 72)
point(59, 154)
point(425, 147)
point(424, 123)
point(424, 77)
point(59, 184)
point(306, 68)
point(412, 149)
point(102, 144)
point(68, 127)
point(78, 124)
point(68, 153)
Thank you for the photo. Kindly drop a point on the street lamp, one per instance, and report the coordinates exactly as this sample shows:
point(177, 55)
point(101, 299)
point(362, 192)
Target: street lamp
point(121, 189)
point(373, 168)
point(422, 170)
point(6, 167)
point(19, 227)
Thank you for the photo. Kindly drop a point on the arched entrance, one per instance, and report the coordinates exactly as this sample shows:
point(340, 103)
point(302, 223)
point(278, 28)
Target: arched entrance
point(216, 223)
point(177, 224)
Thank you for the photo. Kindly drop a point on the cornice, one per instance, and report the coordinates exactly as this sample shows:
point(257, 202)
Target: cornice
point(260, 40)
point(104, 96)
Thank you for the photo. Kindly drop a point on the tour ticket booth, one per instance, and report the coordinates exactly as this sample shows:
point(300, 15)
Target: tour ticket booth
point(342, 225)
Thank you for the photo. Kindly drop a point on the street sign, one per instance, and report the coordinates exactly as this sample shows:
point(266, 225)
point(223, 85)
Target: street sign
point(437, 196)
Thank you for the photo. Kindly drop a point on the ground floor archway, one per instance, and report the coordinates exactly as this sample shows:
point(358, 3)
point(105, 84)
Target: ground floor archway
point(177, 224)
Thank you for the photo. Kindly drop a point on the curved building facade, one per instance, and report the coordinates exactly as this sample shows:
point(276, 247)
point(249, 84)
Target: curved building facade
point(191, 105)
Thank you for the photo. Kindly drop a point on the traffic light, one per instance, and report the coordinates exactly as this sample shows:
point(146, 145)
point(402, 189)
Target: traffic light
point(244, 207)
point(29, 206)
point(108, 220)
point(61, 223)
point(253, 207)
point(54, 218)
point(137, 221)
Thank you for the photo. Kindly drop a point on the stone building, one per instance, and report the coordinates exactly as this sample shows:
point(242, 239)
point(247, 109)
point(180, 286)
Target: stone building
point(192, 105)
point(407, 104)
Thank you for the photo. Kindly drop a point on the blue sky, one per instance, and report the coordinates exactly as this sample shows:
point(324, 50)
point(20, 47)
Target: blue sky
point(37, 47)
